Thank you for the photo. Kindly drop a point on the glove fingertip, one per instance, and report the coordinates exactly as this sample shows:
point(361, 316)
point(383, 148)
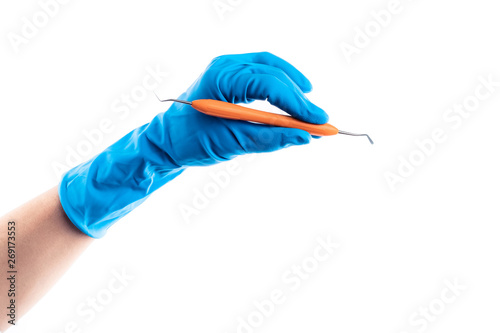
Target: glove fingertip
point(306, 86)
point(315, 114)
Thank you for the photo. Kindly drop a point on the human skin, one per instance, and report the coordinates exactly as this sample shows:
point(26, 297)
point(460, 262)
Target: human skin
point(46, 245)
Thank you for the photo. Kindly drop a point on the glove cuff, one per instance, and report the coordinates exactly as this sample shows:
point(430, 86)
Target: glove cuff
point(97, 193)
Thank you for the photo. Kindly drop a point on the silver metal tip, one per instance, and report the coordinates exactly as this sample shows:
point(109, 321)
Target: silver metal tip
point(154, 92)
point(171, 99)
point(355, 134)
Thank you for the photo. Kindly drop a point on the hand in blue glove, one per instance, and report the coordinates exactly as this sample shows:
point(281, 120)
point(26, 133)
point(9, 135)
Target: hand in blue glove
point(100, 191)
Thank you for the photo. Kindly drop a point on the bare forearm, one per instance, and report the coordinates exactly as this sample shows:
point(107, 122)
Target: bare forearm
point(46, 244)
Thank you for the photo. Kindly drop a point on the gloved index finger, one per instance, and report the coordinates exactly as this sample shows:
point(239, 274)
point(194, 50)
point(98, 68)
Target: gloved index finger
point(283, 95)
point(270, 59)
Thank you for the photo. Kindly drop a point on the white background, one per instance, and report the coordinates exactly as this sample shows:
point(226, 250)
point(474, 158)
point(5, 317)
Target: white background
point(397, 247)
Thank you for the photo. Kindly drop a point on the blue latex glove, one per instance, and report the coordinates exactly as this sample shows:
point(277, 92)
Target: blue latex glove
point(100, 191)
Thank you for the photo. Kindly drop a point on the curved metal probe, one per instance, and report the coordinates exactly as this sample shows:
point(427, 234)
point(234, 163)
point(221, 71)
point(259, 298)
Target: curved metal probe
point(189, 103)
point(354, 134)
point(172, 100)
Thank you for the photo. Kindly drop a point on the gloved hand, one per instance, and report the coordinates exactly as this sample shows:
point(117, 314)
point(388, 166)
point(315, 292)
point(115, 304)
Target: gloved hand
point(100, 191)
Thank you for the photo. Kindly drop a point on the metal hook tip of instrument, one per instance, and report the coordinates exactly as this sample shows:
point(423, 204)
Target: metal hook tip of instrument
point(354, 134)
point(172, 100)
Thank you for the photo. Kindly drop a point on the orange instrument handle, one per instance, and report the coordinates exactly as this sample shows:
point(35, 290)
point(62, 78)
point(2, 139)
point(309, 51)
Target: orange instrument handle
point(227, 110)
